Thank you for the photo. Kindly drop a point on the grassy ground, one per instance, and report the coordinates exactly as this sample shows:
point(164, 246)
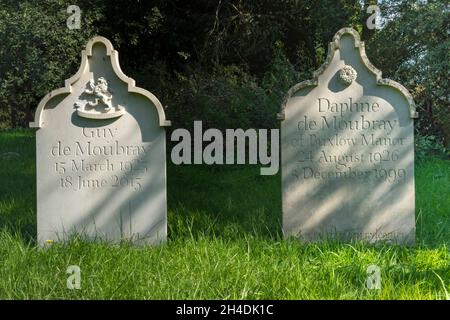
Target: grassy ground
point(224, 243)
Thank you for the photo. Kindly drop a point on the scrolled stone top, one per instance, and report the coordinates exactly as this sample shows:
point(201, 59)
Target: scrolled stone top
point(346, 75)
point(114, 55)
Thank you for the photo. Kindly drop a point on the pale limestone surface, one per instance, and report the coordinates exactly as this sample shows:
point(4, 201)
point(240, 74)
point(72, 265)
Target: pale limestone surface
point(348, 173)
point(100, 156)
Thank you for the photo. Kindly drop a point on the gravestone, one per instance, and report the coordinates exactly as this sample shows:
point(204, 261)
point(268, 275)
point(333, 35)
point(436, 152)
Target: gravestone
point(348, 152)
point(101, 156)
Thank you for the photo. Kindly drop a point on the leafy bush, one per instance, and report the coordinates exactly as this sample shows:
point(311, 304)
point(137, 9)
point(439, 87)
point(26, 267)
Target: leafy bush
point(429, 145)
point(414, 49)
point(37, 53)
point(229, 97)
point(215, 60)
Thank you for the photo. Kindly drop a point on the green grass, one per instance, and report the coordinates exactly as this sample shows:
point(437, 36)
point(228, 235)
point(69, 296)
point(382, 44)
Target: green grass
point(224, 243)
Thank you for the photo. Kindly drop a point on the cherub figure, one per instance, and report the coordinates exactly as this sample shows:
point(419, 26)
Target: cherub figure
point(101, 93)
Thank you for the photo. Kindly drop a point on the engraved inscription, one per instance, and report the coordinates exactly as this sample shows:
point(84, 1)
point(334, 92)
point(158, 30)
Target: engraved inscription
point(347, 151)
point(346, 117)
point(82, 165)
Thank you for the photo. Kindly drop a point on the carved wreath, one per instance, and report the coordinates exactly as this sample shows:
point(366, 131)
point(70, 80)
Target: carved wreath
point(347, 75)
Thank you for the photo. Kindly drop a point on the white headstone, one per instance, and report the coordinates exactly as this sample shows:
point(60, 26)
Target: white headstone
point(101, 156)
point(348, 151)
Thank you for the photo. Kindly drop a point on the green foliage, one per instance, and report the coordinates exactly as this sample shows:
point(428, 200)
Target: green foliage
point(229, 97)
point(163, 43)
point(428, 146)
point(228, 63)
point(244, 32)
point(225, 98)
point(37, 53)
point(414, 49)
point(281, 76)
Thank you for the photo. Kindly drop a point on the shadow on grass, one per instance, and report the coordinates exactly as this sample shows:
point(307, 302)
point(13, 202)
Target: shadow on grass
point(18, 183)
point(223, 201)
point(213, 201)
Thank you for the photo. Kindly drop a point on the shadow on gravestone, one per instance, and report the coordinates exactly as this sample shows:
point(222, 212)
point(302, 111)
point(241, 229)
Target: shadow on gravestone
point(100, 156)
point(348, 152)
